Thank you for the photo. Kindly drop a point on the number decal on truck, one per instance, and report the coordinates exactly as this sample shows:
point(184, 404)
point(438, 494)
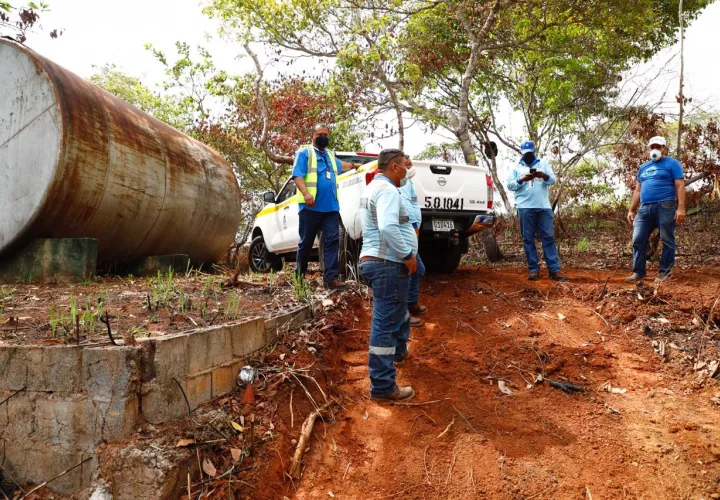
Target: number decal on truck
point(438, 203)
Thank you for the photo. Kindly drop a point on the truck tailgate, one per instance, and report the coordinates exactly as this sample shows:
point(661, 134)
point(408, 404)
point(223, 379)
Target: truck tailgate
point(451, 187)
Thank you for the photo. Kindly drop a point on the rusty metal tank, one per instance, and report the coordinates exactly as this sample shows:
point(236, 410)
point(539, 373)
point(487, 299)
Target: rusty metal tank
point(76, 161)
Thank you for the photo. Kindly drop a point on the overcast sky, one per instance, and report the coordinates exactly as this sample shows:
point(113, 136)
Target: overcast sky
point(97, 33)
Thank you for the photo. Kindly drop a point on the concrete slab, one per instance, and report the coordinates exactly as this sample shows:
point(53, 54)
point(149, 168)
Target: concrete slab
point(53, 260)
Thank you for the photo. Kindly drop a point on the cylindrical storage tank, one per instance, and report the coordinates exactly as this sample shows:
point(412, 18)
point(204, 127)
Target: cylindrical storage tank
point(77, 162)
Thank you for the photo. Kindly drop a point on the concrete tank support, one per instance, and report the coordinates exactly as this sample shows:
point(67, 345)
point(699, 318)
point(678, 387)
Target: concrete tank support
point(77, 162)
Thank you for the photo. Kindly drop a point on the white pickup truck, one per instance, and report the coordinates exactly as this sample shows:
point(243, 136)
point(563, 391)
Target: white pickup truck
point(456, 202)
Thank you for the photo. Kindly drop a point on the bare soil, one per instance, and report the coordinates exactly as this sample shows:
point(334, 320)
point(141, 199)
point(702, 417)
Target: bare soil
point(659, 439)
point(139, 307)
point(656, 437)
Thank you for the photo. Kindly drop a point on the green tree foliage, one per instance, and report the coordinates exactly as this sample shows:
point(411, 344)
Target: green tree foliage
point(130, 89)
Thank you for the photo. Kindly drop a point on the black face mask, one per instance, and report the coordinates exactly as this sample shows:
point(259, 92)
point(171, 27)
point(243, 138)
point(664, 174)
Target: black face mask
point(322, 141)
point(529, 159)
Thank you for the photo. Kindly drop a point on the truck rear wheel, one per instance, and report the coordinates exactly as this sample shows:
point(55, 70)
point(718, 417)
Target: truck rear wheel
point(443, 256)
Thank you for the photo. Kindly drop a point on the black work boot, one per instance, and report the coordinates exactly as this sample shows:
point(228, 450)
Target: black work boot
point(533, 276)
point(558, 277)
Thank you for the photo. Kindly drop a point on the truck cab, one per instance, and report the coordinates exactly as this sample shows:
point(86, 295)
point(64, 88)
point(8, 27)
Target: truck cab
point(456, 201)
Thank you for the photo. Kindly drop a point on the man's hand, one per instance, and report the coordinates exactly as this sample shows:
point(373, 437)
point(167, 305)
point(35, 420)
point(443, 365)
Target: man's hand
point(527, 178)
point(309, 200)
point(680, 215)
point(631, 216)
point(417, 233)
point(541, 175)
point(411, 264)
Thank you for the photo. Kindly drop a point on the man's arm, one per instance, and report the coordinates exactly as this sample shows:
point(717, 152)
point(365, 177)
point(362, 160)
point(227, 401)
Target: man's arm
point(344, 166)
point(680, 190)
point(546, 173)
point(634, 204)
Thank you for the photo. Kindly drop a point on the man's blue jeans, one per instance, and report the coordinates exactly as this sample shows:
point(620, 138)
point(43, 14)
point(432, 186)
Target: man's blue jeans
point(390, 322)
point(650, 216)
point(532, 222)
point(310, 224)
point(414, 292)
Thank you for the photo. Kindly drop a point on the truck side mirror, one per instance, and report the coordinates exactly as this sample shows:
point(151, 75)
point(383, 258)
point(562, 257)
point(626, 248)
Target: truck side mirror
point(269, 197)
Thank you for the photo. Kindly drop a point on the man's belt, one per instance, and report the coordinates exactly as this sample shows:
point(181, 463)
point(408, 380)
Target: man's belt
point(369, 258)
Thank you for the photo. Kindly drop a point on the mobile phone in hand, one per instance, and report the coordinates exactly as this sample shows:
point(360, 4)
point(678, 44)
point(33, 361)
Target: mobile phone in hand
point(533, 170)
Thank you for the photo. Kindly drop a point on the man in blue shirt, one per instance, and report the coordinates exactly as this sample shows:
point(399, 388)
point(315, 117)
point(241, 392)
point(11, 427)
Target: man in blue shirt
point(387, 260)
point(315, 173)
point(660, 193)
point(530, 181)
point(413, 207)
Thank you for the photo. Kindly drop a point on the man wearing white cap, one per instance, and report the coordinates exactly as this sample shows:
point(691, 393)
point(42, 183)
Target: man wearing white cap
point(660, 195)
point(530, 181)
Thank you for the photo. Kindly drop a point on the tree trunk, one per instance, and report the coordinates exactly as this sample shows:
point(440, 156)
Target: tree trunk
point(681, 97)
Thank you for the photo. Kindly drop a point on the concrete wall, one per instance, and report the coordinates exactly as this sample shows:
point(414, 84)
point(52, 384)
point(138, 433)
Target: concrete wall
point(73, 398)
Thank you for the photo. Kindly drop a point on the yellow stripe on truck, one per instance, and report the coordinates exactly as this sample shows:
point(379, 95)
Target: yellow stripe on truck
point(274, 208)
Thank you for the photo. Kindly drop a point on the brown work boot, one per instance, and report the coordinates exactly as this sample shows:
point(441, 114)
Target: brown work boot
point(415, 309)
point(533, 276)
point(401, 361)
point(416, 322)
point(336, 285)
point(558, 277)
point(634, 278)
point(400, 394)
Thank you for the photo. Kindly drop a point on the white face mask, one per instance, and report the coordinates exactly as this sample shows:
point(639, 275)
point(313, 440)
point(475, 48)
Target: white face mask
point(411, 173)
point(655, 154)
point(404, 180)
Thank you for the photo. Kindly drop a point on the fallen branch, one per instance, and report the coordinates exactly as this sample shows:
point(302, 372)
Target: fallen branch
point(56, 477)
point(305, 434)
point(565, 386)
point(400, 403)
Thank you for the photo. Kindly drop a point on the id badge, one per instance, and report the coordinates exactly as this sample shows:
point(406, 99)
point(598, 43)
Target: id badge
point(328, 176)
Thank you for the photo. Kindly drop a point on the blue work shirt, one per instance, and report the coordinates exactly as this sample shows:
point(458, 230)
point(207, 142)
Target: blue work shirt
point(386, 229)
point(411, 202)
point(533, 193)
point(326, 197)
point(657, 180)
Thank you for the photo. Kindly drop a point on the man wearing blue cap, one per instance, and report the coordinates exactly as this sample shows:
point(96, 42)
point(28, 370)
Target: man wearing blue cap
point(530, 181)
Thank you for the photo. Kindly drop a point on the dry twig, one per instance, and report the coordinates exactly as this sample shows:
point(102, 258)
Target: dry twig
point(447, 429)
point(305, 434)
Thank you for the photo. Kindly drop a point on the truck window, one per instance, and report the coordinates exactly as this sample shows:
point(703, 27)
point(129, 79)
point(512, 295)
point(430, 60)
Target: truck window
point(362, 160)
point(287, 191)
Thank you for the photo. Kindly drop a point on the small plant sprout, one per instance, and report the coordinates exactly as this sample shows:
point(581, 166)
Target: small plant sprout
point(584, 244)
point(234, 306)
point(56, 318)
point(300, 286)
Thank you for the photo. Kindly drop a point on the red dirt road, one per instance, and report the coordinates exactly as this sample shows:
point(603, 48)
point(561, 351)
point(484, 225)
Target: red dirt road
point(660, 439)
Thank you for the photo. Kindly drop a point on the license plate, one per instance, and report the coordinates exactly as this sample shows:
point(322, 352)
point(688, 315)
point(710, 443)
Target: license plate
point(443, 225)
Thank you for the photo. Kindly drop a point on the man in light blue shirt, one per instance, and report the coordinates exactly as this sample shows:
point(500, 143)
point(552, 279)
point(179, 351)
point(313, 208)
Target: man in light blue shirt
point(413, 207)
point(530, 181)
point(387, 259)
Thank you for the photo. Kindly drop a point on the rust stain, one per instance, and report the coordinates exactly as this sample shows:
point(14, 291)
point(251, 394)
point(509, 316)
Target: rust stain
point(138, 185)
